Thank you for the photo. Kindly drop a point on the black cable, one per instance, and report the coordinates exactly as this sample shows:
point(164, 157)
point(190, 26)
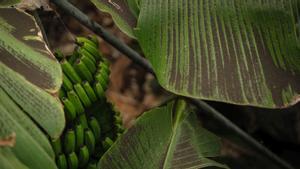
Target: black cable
point(105, 35)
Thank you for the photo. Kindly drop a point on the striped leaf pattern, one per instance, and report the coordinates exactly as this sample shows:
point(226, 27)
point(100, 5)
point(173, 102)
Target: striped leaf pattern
point(29, 72)
point(30, 77)
point(9, 161)
point(25, 51)
point(237, 51)
point(32, 147)
point(169, 137)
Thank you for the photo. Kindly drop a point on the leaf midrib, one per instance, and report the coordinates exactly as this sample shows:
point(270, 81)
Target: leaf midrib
point(179, 117)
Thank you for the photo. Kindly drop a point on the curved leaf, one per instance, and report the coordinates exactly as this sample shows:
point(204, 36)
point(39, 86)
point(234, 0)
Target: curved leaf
point(27, 69)
point(236, 51)
point(121, 13)
point(25, 122)
point(27, 150)
point(38, 104)
point(161, 140)
point(29, 80)
point(9, 161)
point(134, 7)
point(24, 51)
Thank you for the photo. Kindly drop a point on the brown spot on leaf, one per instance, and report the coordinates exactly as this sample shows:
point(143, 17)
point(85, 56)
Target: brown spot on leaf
point(8, 141)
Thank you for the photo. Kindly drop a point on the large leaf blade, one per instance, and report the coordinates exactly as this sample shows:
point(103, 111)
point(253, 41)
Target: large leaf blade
point(29, 80)
point(241, 52)
point(159, 140)
point(237, 51)
point(28, 71)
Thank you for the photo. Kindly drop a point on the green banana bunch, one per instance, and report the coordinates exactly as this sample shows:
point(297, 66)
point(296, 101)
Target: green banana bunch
point(89, 140)
point(69, 141)
point(56, 145)
point(83, 121)
point(79, 134)
point(74, 99)
point(70, 110)
point(72, 161)
point(83, 156)
point(92, 125)
point(82, 95)
point(61, 162)
point(95, 127)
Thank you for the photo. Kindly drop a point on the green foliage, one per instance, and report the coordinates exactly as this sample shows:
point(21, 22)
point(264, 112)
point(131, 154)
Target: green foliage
point(30, 141)
point(235, 51)
point(121, 13)
point(29, 73)
point(165, 137)
point(9, 161)
point(134, 7)
point(29, 77)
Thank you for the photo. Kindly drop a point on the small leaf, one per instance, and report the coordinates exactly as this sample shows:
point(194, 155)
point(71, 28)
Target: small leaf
point(120, 12)
point(134, 7)
point(161, 140)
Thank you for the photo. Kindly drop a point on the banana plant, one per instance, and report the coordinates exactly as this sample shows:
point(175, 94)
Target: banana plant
point(217, 50)
point(31, 80)
point(242, 52)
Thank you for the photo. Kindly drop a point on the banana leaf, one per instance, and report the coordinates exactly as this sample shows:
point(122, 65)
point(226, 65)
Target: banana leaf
point(165, 137)
point(30, 78)
point(244, 52)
